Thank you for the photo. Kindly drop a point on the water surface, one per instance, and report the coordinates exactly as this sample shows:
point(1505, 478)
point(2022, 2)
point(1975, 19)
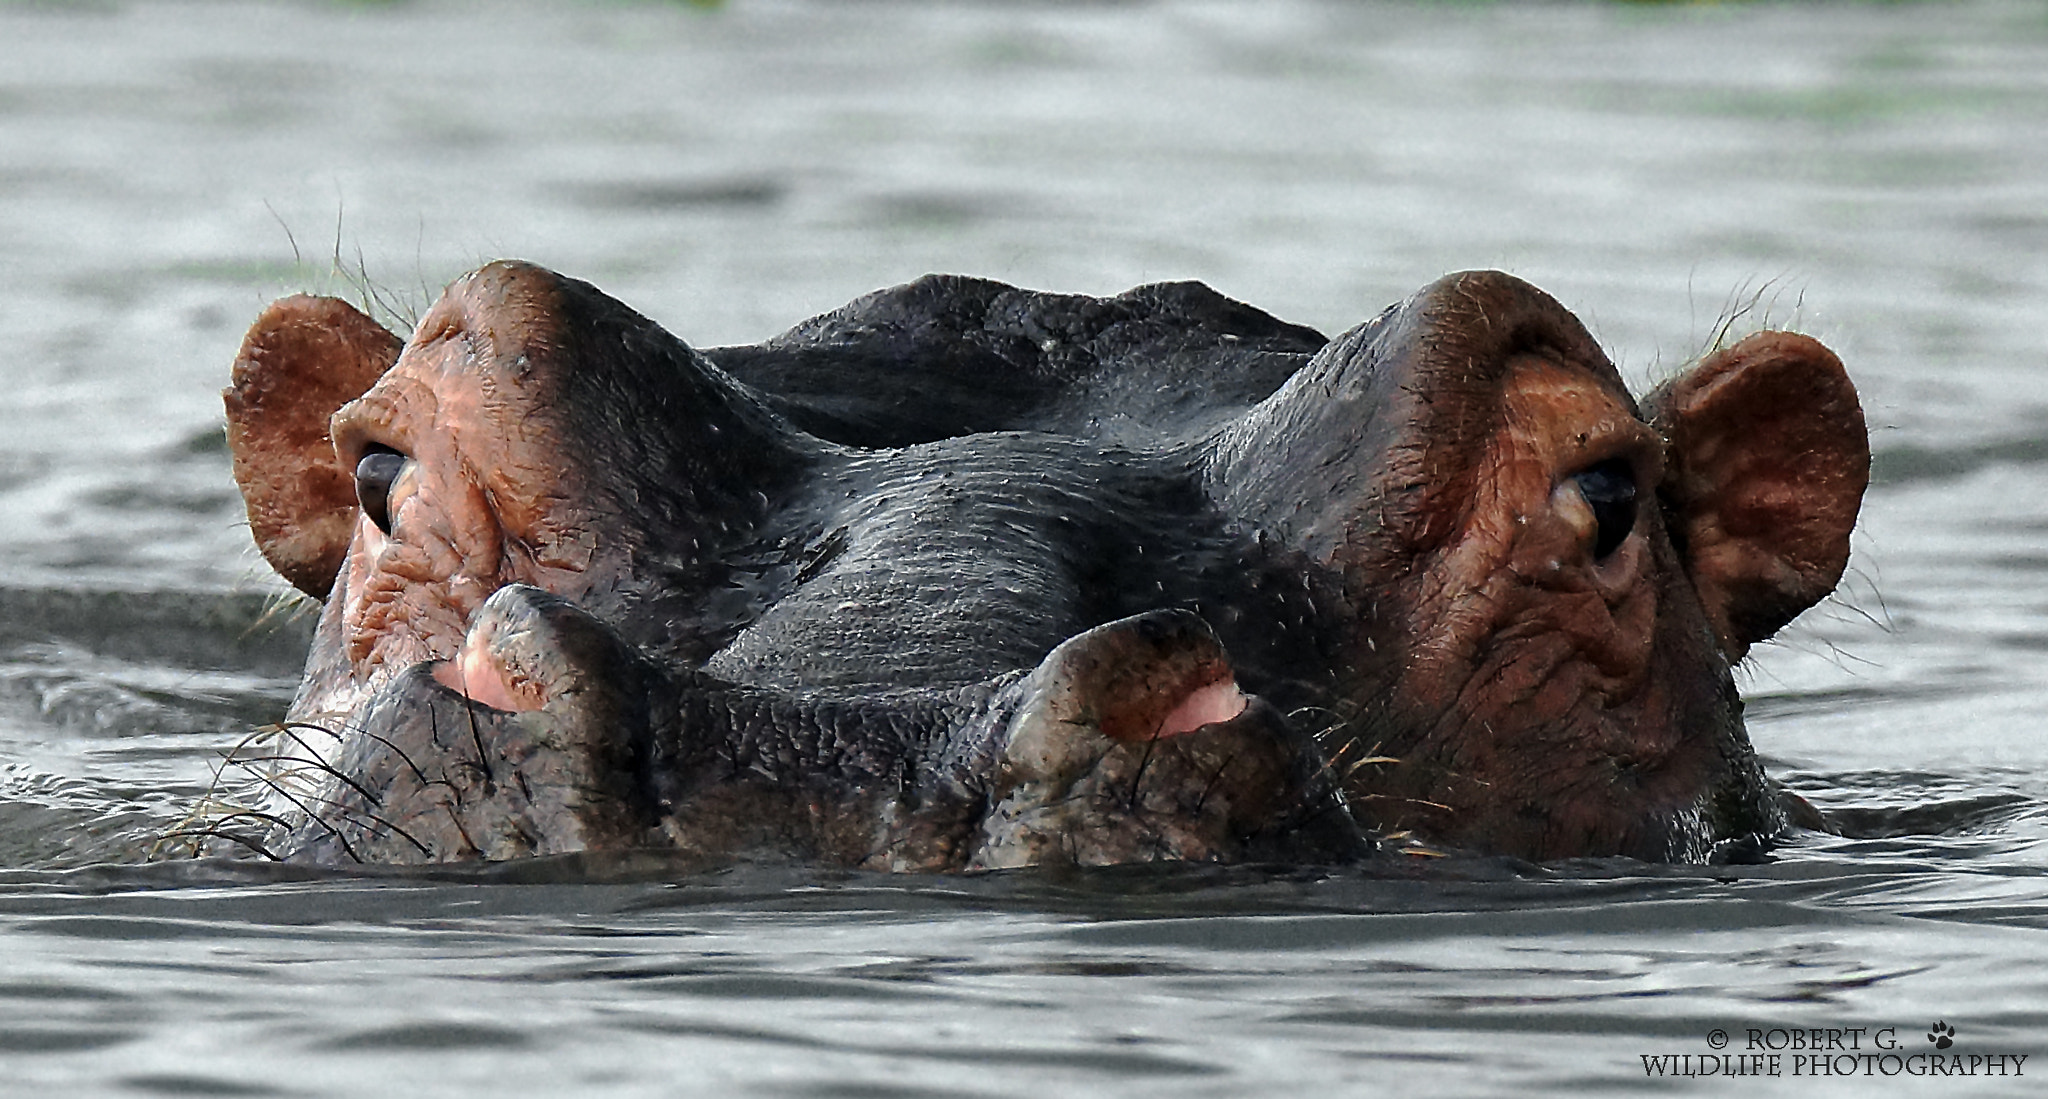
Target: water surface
point(1874, 174)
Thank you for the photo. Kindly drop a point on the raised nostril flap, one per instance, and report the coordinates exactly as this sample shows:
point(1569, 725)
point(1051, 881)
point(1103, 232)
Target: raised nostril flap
point(1127, 677)
point(1218, 701)
point(1158, 674)
point(527, 648)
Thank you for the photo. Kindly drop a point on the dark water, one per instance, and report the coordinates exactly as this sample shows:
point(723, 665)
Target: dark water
point(1874, 174)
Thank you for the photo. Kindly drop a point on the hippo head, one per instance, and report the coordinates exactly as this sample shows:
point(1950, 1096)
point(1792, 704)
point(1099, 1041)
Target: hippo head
point(1544, 588)
point(506, 442)
point(964, 576)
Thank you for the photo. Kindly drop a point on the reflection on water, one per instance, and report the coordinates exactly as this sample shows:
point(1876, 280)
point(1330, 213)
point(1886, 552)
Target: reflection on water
point(1873, 174)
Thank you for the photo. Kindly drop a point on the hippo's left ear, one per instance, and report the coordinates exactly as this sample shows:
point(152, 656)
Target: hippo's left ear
point(302, 359)
point(1767, 460)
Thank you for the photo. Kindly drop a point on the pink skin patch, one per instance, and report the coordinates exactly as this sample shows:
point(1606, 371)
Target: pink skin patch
point(477, 677)
point(1219, 701)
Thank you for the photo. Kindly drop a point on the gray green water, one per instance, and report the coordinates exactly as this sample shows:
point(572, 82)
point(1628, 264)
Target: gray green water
point(1874, 174)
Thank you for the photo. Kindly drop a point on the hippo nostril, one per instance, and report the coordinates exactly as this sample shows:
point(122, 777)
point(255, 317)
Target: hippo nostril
point(374, 475)
point(1610, 490)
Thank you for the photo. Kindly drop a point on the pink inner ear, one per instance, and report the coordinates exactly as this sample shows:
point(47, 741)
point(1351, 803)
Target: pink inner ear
point(475, 676)
point(1219, 701)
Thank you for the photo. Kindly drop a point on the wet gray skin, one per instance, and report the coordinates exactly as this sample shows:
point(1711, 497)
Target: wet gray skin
point(963, 576)
point(1006, 773)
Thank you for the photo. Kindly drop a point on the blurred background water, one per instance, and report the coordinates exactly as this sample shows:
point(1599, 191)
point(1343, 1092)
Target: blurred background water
point(1875, 174)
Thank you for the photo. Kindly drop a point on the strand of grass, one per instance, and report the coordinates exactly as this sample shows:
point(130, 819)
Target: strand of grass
point(201, 834)
point(323, 767)
point(1211, 784)
point(346, 847)
point(320, 764)
point(213, 787)
point(199, 814)
point(1139, 778)
point(467, 842)
point(414, 767)
point(374, 818)
point(216, 831)
point(1405, 801)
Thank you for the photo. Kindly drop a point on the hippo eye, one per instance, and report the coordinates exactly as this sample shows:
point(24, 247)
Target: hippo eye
point(1610, 490)
point(374, 475)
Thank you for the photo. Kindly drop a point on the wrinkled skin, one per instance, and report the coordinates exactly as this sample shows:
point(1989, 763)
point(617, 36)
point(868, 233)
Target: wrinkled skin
point(963, 576)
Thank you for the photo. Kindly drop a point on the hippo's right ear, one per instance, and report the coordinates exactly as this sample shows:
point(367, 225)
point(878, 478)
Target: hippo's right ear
point(304, 358)
point(1767, 458)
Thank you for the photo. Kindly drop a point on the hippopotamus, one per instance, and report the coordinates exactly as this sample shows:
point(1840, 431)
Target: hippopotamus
point(962, 576)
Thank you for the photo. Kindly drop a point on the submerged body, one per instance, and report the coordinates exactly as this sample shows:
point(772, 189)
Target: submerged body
point(965, 576)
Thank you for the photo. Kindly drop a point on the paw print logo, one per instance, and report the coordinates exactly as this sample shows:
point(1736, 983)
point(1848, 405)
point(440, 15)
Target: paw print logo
point(1942, 1035)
